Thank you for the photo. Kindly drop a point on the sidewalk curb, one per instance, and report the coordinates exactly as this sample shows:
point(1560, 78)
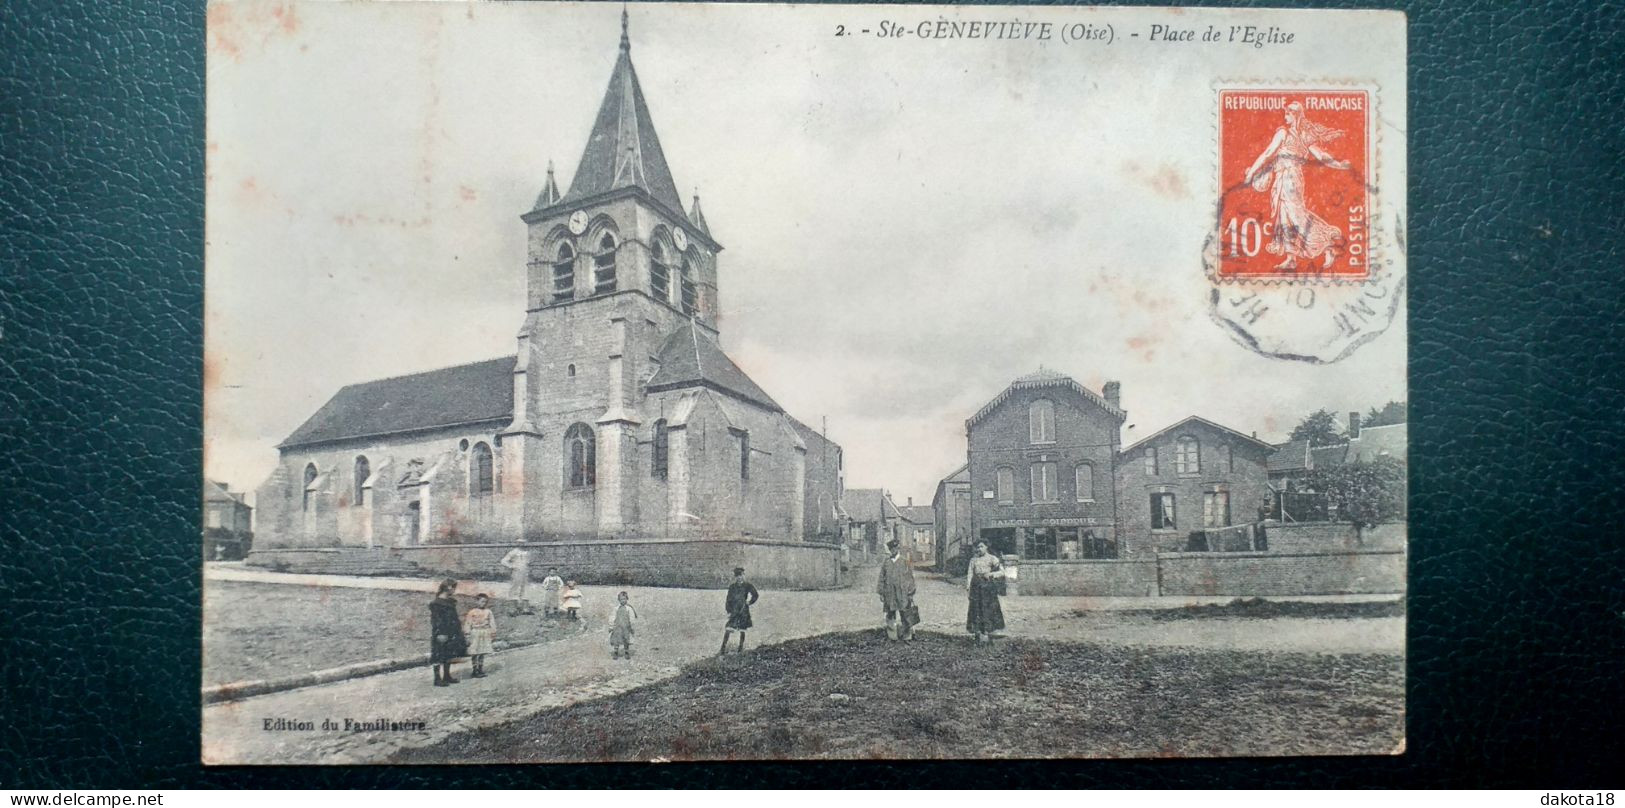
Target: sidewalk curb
point(249, 688)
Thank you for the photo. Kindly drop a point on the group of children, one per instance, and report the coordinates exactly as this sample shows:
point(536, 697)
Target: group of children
point(474, 635)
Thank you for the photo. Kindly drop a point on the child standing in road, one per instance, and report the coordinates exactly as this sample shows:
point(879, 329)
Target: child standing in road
point(620, 636)
point(481, 627)
point(742, 595)
point(570, 598)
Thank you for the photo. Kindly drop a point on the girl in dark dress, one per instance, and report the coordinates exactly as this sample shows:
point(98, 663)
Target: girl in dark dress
point(446, 640)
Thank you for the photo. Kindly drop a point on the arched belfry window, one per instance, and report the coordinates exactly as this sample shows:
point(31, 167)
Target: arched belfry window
point(310, 477)
point(564, 274)
point(691, 294)
point(661, 451)
point(603, 263)
point(580, 456)
point(482, 478)
point(363, 470)
point(660, 271)
point(1041, 421)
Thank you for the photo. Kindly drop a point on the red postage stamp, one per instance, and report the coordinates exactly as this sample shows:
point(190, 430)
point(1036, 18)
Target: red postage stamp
point(1295, 200)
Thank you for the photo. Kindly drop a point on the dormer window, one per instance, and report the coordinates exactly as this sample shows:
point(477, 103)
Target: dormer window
point(603, 264)
point(564, 274)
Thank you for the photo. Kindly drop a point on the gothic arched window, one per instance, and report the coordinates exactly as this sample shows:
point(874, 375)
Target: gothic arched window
point(580, 456)
point(691, 295)
point(660, 271)
point(363, 470)
point(482, 476)
point(1041, 421)
point(564, 274)
point(1187, 456)
point(662, 447)
point(603, 263)
point(309, 488)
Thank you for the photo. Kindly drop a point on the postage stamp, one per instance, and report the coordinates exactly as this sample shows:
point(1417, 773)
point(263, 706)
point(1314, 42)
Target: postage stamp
point(1294, 167)
point(1305, 260)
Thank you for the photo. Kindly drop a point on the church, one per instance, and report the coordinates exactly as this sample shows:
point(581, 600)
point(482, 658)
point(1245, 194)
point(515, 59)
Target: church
point(617, 432)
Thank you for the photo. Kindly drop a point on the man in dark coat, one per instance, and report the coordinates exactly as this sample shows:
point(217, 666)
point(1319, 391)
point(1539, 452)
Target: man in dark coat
point(896, 588)
point(741, 595)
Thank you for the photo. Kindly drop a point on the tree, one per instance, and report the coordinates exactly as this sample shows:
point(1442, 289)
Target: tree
point(1391, 413)
point(1364, 493)
point(1319, 428)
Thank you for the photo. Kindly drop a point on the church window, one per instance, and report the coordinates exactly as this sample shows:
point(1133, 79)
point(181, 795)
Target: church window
point(1043, 479)
point(1084, 476)
point(660, 273)
point(691, 295)
point(744, 455)
point(564, 274)
point(604, 265)
point(481, 471)
point(309, 487)
point(580, 456)
point(662, 444)
point(1041, 421)
point(1187, 456)
point(1005, 485)
point(570, 371)
point(363, 470)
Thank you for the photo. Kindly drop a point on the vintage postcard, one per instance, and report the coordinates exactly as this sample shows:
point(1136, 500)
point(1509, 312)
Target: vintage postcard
point(667, 382)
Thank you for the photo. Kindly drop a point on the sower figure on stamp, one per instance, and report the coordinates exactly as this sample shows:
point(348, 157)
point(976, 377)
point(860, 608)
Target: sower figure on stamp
point(896, 588)
point(741, 595)
point(446, 640)
point(1298, 233)
point(518, 561)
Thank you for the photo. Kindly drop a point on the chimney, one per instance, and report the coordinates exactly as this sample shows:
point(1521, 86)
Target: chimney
point(1113, 391)
point(1354, 425)
point(911, 502)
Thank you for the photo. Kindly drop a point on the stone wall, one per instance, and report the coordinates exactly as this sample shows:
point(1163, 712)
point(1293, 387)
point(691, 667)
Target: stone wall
point(641, 562)
point(1314, 537)
point(1100, 578)
point(1364, 572)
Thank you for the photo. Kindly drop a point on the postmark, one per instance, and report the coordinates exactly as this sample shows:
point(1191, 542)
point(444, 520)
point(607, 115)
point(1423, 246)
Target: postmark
point(1303, 259)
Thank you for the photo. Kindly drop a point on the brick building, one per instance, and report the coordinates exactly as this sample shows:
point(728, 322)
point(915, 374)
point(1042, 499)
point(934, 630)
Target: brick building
point(918, 528)
point(619, 416)
point(228, 522)
point(1192, 477)
point(951, 519)
point(1041, 457)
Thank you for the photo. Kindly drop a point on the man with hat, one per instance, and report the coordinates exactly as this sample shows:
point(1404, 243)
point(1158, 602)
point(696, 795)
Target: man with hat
point(896, 588)
point(741, 594)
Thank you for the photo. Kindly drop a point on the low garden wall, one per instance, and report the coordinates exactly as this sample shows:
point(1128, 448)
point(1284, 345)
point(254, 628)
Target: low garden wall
point(634, 562)
point(1113, 578)
point(1354, 572)
point(1320, 537)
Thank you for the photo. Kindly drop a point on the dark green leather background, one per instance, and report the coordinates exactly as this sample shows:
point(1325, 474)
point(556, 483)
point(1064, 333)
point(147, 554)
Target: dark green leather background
point(1517, 606)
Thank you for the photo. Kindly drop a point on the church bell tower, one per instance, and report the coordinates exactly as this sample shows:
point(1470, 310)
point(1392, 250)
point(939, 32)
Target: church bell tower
point(615, 265)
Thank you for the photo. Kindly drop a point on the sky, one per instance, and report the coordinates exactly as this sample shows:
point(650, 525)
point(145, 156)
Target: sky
point(908, 225)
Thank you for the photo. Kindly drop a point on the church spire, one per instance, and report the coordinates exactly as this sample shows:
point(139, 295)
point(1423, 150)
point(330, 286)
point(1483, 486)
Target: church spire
point(696, 217)
point(550, 191)
point(623, 150)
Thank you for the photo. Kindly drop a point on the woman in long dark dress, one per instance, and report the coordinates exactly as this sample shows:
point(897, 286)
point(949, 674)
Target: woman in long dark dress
point(446, 640)
point(982, 578)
